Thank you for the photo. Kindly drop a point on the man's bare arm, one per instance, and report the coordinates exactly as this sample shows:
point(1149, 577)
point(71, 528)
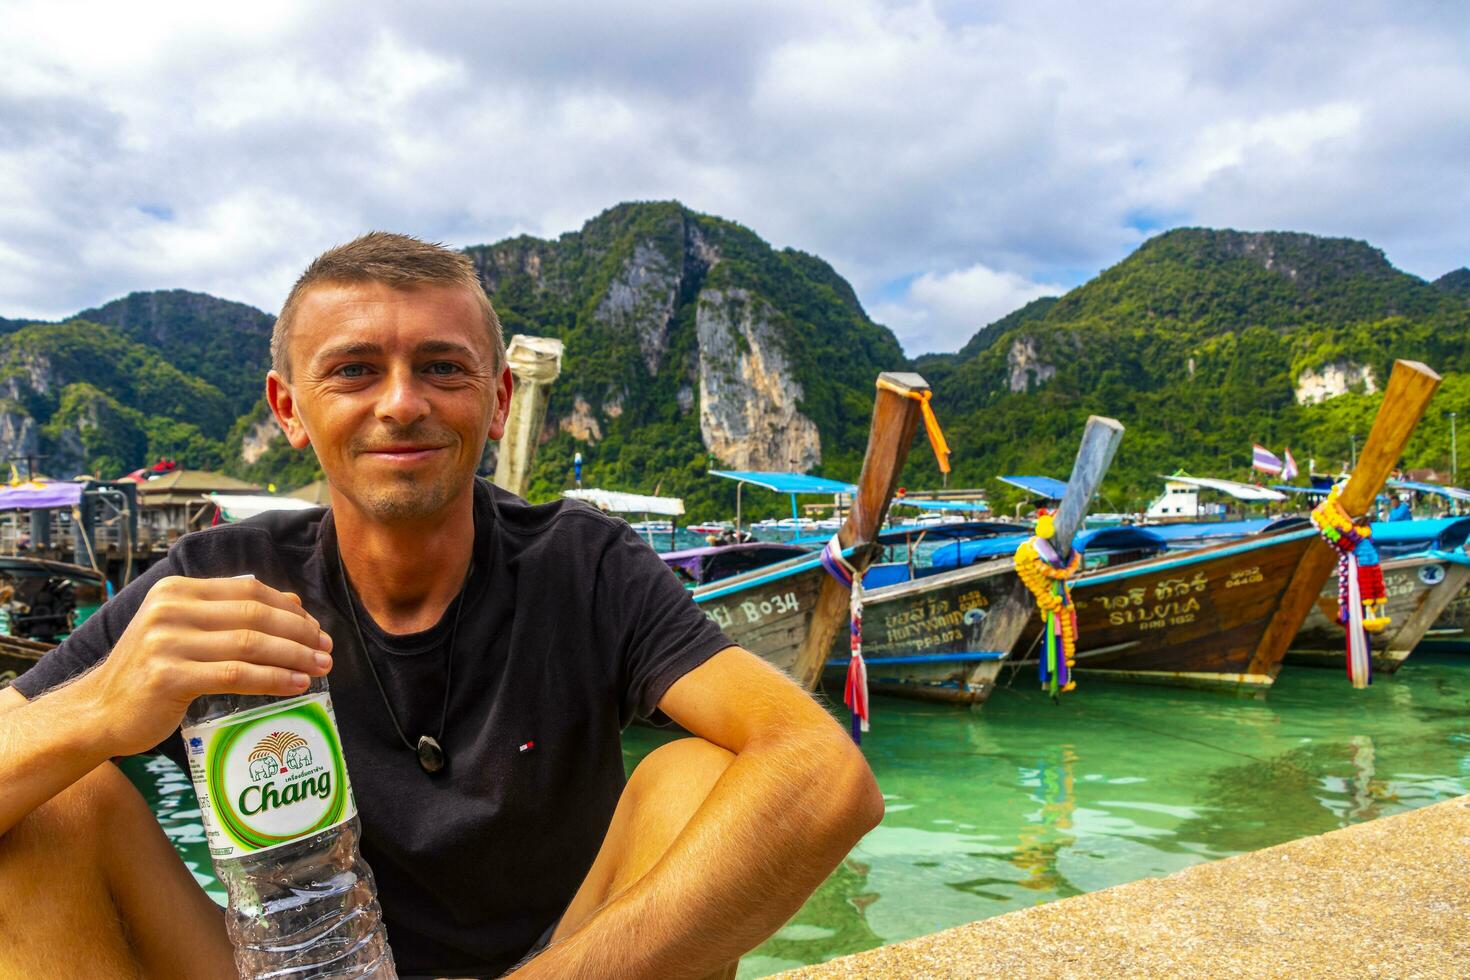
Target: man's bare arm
point(790, 806)
point(43, 750)
point(189, 637)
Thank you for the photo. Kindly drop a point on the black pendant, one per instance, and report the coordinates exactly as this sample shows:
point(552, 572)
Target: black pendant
point(431, 756)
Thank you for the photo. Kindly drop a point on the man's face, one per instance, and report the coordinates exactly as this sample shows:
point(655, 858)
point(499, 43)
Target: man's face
point(396, 390)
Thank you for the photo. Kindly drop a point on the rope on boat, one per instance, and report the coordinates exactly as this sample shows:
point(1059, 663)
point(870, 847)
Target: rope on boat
point(855, 688)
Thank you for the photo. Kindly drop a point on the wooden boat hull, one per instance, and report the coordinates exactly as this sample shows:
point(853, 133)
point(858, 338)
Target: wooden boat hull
point(940, 638)
point(945, 637)
point(767, 611)
point(1193, 619)
point(18, 655)
point(1419, 588)
point(1451, 631)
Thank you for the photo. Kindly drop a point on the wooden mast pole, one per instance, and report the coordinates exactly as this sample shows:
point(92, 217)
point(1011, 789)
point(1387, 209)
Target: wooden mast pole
point(1099, 444)
point(535, 363)
point(1003, 628)
point(1410, 388)
point(895, 420)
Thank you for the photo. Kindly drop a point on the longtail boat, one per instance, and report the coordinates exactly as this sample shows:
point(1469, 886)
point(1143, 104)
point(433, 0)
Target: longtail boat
point(1420, 589)
point(945, 636)
point(698, 566)
point(789, 612)
point(41, 601)
point(1223, 616)
point(1425, 566)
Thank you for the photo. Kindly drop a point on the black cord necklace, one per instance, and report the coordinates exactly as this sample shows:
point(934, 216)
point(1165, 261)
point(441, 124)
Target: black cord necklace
point(432, 757)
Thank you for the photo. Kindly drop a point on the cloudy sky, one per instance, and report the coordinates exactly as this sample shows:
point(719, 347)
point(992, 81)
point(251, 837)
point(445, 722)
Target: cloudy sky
point(953, 160)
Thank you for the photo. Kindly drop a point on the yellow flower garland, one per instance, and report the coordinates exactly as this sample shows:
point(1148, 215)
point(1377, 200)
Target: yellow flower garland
point(1052, 592)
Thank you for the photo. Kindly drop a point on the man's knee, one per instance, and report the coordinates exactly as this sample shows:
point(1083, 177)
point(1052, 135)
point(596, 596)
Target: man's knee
point(55, 883)
point(69, 830)
point(663, 793)
point(687, 767)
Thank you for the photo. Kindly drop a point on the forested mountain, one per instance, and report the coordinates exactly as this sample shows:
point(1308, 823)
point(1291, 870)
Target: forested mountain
point(690, 341)
point(226, 344)
point(1202, 342)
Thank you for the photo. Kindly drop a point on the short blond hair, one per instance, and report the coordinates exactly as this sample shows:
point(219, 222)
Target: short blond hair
point(400, 261)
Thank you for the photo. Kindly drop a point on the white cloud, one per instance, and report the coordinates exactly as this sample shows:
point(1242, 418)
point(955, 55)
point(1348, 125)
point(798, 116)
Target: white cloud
point(975, 153)
point(939, 312)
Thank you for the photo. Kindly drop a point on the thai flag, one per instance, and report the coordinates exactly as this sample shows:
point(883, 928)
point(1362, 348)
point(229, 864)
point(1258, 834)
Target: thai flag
point(1264, 460)
point(1288, 469)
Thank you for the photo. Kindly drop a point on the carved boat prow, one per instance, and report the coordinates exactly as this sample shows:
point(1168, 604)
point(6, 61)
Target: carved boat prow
point(788, 613)
point(535, 362)
point(1410, 388)
point(945, 636)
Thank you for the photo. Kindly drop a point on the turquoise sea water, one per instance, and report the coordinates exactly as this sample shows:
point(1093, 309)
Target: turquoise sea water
point(1026, 801)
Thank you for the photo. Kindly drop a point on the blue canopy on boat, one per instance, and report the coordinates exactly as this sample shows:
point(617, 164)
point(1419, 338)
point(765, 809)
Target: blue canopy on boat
point(1453, 493)
point(1402, 537)
point(1125, 538)
point(1042, 486)
point(972, 505)
point(900, 533)
point(960, 553)
point(787, 482)
point(1201, 531)
point(965, 530)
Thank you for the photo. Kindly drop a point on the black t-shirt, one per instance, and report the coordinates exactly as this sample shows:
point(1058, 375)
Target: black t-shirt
point(571, 628)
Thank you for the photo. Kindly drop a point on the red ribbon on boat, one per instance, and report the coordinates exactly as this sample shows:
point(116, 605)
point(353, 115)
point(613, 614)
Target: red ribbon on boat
point(855, 688)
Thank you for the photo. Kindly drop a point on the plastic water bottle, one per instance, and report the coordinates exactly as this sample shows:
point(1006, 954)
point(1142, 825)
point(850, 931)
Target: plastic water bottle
point(283, 831)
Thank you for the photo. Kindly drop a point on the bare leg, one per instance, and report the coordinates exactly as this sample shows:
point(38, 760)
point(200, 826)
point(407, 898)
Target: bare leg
point(661, 796)
point(91, 887)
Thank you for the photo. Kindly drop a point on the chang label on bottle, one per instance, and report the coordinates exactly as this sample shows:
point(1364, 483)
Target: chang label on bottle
point(269, 776)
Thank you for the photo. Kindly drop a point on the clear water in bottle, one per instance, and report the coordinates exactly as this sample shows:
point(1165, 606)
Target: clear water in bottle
point(283, 831)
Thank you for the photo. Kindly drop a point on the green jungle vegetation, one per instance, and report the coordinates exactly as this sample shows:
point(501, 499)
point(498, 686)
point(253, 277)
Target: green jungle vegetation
point(1196, 342)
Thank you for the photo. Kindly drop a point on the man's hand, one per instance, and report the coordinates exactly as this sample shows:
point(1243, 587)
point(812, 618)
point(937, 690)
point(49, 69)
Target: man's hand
point(189, 637)
point(199, 636)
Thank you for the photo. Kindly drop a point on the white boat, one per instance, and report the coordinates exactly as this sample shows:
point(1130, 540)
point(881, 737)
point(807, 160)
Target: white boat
point(711, 527)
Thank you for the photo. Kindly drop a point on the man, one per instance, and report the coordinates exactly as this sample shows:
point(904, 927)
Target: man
point(520, 639)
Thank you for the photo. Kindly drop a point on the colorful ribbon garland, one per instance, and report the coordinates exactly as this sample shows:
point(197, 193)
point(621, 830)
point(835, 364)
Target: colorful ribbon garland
point(1361, 597)
point(855, 687)
point(1043, 572)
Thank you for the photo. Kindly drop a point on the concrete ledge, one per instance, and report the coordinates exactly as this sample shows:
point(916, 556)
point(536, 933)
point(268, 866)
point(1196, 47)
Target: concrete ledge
point(1389, 898)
